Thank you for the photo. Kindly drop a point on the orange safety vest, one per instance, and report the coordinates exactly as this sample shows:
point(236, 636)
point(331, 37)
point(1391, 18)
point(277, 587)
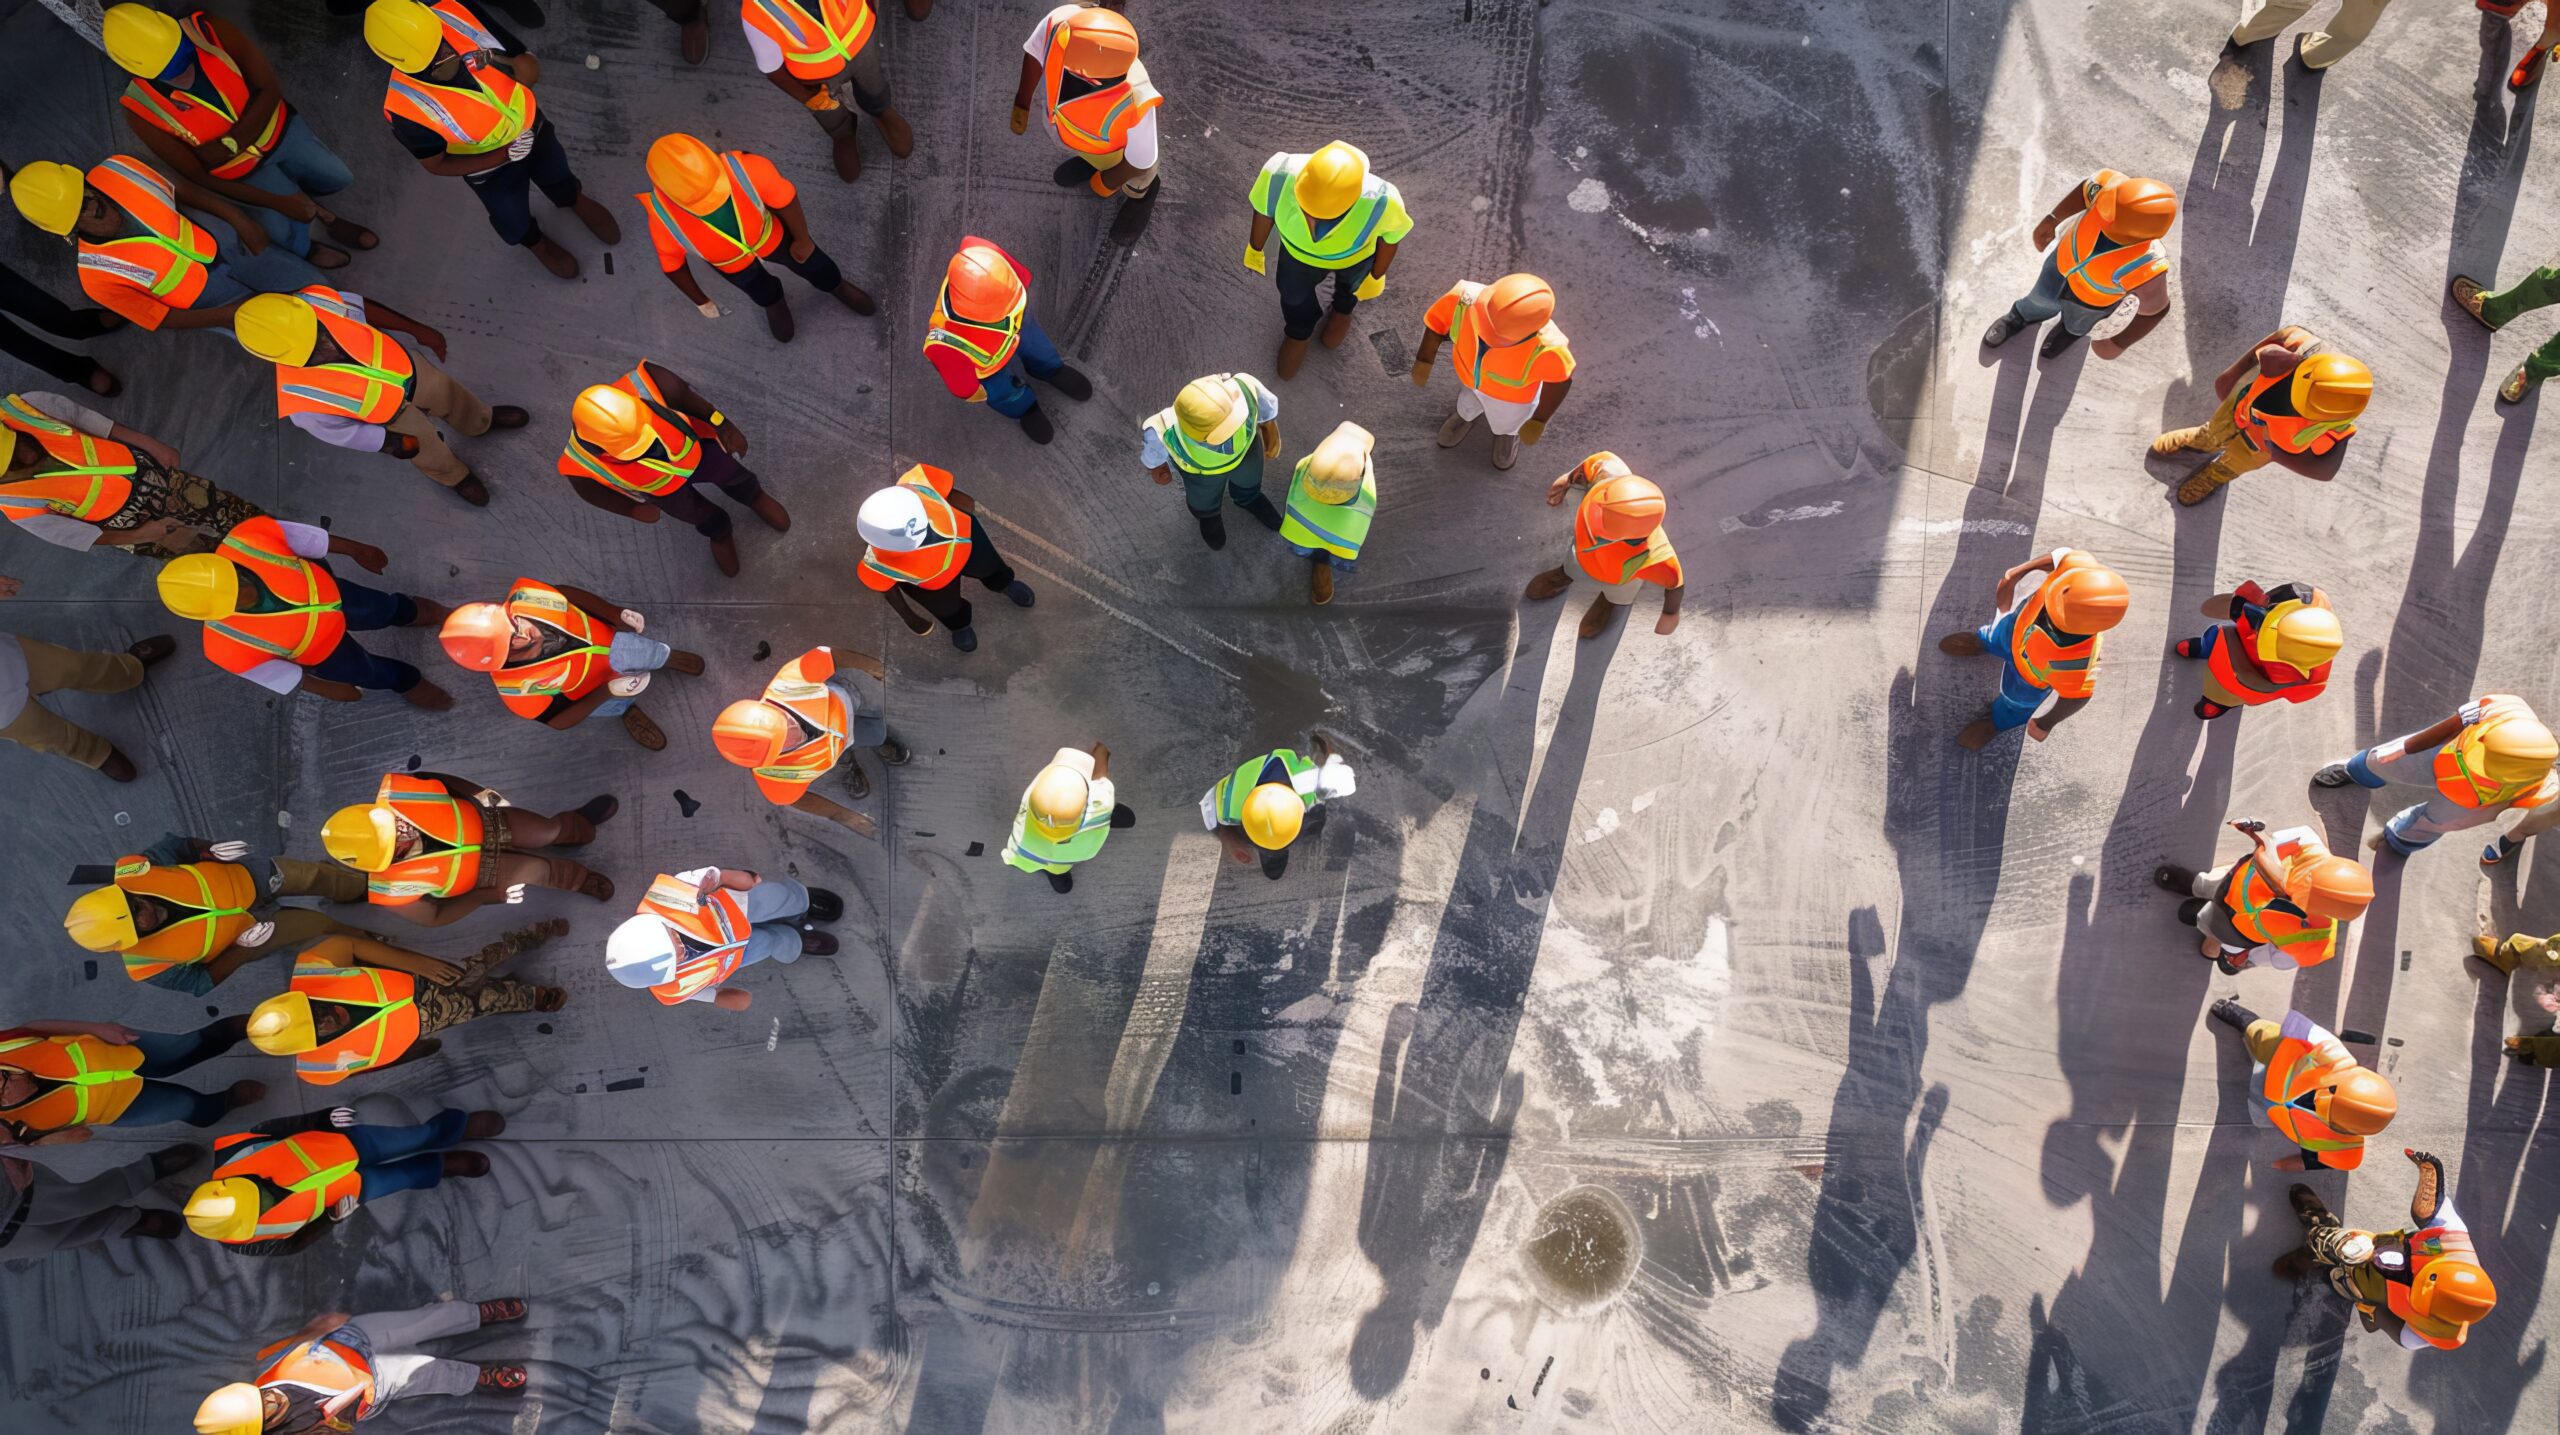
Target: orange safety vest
point(169, 258)
point(1615, 560)
point(2100, 278)
point(449, 860)
point(323, 1369)
point(1497, 371)
point(935, 565)
point(370, 385)
point(2068, 670)
point(2266, 916)
point(2239, 677)
point(573, 673)
point(2446, 1241)
point(484, 111)
point(1099, 122)
point(2288, 432)
point(388, 1028)
point(85, 1081)
point(814, 46)
point(713, 931)
point(314, 1169)
point(2464, 788)
point(660, 469)
point(87, 477)
point(2296, 1072)
point(197, 120)
point(305, 631)
point(987, 347)
point(730, 238)
point(818, 713)
point(213, 899)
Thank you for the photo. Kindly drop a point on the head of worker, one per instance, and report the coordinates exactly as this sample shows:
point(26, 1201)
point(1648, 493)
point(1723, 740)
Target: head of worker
point(408, 37)
point(1101, 44)
point(1331, 180)
point(2302, 637)
point(282, 329)
point(641, 952)
point(111, 919)
point(684, 169)
point(2133, 210)
point(225, 1210)
point(147, 43)
point(752, 733)
point(2455, 1291)
point(291, 1024)
point(2331, 388)
point(58, 199)
point(611, 419)
point(2360, 1104)
point(367, 836)
point(1210, 409)
point(201, 587)
point(2328, 886)
point(893, 520)
point(2512, 748)
point(1273, 813)
point(1625, 508)
point(243, 1409)
point(1516, 307)
point(2086, 600)
point(484, 637)
point(1339, 464)
point(1059, 796)
point(983, 285)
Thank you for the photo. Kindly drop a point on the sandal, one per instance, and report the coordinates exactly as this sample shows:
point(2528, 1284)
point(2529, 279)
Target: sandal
point(502, 1379)
point(550, 999)
point(2518, 384)
point(2467, 294)
point(2528, 71)
point(495, 1312)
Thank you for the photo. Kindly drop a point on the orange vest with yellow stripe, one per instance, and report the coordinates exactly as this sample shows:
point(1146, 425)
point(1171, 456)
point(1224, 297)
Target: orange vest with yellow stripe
point(1496, 370)
point(2264, 915)
point(80, 477)
point(527, 689)
point(1097, 122)
point(2306, 1062)
point(816, 44)
point(737, 234)
point(818, 715)
point(483, 110)
point(197, 120)
point(987, 347)
point(169, 258)
point(305, 631)
point(2099, 277)
point(84, 1081)
point(448, 860)
point(212, 901)
point(298, 1177)
point(660, 469)
point(2447, 1241)
point(1615, 560)
point(2069, 670)
point(712, 929)
point(938, 563)
point(385, 1004)
point(321, 1369)
point(2290, 433)
point(2241, 674)
point(369, 385)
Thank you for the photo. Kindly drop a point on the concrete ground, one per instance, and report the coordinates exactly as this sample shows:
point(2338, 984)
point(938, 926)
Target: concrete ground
point(1890, 1052)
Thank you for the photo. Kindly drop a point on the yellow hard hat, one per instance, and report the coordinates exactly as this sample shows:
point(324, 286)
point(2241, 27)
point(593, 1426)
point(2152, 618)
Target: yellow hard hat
point(2331, 387)
point(1273, 813)
point(225, 1210)
point(8, 445)
point(1211, 409)
point(2511, 748)
point(2301, 636)
point(1331, 180)
point(610, 417)
point(102, 921)
point(282, 1025)
point(363, 836)
point(202, 586)
point(141, 40)
point(1334, 471)
point(279, 328)
point(404, 33)
point(1058, 799)
point(49, 194)
point(236, 1409)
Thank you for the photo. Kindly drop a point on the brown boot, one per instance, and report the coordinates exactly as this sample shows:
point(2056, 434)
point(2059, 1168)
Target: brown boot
point(848, 158)
point(853, 297)
point(484, 1126)
point(2204, 483)
point(561, 263)
point(1336, 326)
point(1293, 352)
point(1599, 617)
point(118, 767)
point(896, 133)
point(856, 781)
point(467, 1165)
point(595, 884)
point(598, 219)
point(770, 509)
point(724, 554)
point(1454, 429)
point(1548, 585)
point(643, 731)
point(778, 321)
point(680, 661)
point(2177, 441)
point(1320, 583)
point(426, 695)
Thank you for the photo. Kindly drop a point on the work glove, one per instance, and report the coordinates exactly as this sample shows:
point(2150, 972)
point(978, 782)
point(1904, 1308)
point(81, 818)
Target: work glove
point(521, 146)
point(1370, 288)
point(1253, 259)
point(822, 102)
point(257, 934)
point(709, 310)
point(1533, 430)
point(633, 621)
point(343, 1117)
point(400, 445)
point(1021, 119)
point(228, 851)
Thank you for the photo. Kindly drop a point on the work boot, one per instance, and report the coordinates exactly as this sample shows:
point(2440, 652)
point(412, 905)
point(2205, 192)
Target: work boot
point(1213, 530)
point(856, 781)
point(1506, 450)
point(894, 753)
point(2294, 1264)
point(323, 256)
point(2333, 774)
point(896, 133)
point(152, 649)
point(1454, 429)
point(598, 811)
point(1337, 326)
point(508, 416)
point(2204, 483)
point(1036, 425)
point(1293, 352)
point(680, 661)
point(1061, 882)
point(824, 905)
point(427, 697)
point(2057, 341)
point(816, 943)
point(2519, 383)
point(848, 157)
point(501, 1312)
point(1131, 221)
point(472, 491)
point(598, 219)
point(1123, 817)
point(2307, 1206)
point(1320, 582)
point(245, 1093)
point(918, 9)
point(550, 999)
point(693, 41)
point(852, 297)
point(467, 1165)
point(2188, 649)
point(502, 1379)
point(965, 639)
point(1977, 734)
point(770, 509)
point(596, 885)
point(347, 232)
point(1547, 585)
point(561, 263)
point(778, 321)
point(2176, 880)
point(484, 1126)
point(1599, 617)
point(2208, 709)
point(1020, 593)
point(1072, 172)
point(2191, 911)
point(724, 554)
point(2467, 294)
point(1070, 381)
point(118, 767)
point(643, 730)
point(2189, 440)
point(2489, 949)
point(1263, 512)
point(2002, 330)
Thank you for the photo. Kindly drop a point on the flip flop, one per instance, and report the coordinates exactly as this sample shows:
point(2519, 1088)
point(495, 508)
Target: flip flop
point(2516, 387)
point(2528, 71)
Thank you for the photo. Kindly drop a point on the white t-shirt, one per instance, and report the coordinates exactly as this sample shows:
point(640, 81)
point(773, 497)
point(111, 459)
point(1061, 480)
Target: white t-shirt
point(1142, 137)
point(13, 678)
point(1151, 449)
point(1333, 778)
point(62, 529)
point(1101, 792)
point(275, 674)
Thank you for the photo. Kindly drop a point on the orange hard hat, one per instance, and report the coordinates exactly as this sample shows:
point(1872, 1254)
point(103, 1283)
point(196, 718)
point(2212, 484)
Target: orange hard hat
point(610, 417)
point(2086, 599)
point(1517, 306)
point(1101, 44)
point(983, 283)
point(688, 171)
point(2331, 387)
point(2453, 1290)
point(751, 733)
point(477, 635)
point(2362, 1103)
point(2136, 209)
point(2330, 886)
point(1624, 507)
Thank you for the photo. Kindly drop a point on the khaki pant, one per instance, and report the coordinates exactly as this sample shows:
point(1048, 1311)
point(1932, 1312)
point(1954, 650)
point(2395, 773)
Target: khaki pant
point(52, 669)
point(439, 395)
point(2537, 953)
point(2322, 48)
point(2222, 431)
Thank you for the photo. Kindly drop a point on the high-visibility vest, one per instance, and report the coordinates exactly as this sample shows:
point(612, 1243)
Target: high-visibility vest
point(819, 715)
point(320, 1370)
point(1497, 371)
point(572, 673)
point(484, 110)
point(1354, 233)
point(2069, 670)
point(2306, 1061)
point(1615, 560)
point(212, 901)
point(198, 120)
point(1098, 122)
point(1210, 459)
point(1028, 850)
point(735, 235)
point(664, 466)
point(2265, 916)
point(169, 258)
point(938, 563)
point(309, 626)
point(310, 1172)
point(79, 476)
point(84, 1081)
point(2099, 278)
point(2447, 1240)
point(712, 929)
point(987, 347)
point(1336, 528)
point(449, 860)
point(817, 43)
point(1238, 785)
point(2289, 433)
point(2465, 788)
point(385, 1004)
point(2239, 677)
point(369, 385)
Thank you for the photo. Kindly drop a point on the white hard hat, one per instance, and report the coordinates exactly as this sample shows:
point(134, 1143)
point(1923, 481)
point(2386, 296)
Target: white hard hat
point(641, 952)
point(894, 519)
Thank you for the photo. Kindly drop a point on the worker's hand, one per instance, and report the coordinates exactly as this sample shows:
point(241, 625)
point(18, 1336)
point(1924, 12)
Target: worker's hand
point(168, 456)
point(342, 1208)
point(2044, 233)
point(732, 437)
point(521, 146)
point(1556, 490)
point(707, 309)
point(430, 336)
point(342, 1117)
point(1101, 755)
point(213, 153)
point(1253, 258)
point(515, 894)
point(1021, 119)
point(2038, 730)
point(802, 248)
point(400, 445)
point(1239, 850)
point(115, 1032)
point(251, 236)
point(1370, 288)
point(1422, 373)
point(632, 619)
point(1271, 442)
point(364, 555)
point(643, 513)
point(159, 531)
point(2107, 348)
point(227, 851)
point(439, 971)
point(1161, 473)
point(1533, 430)
point(2248, 827)
point(1666, 623)
point(297, 207)
point(258, 934)
point(730, 998)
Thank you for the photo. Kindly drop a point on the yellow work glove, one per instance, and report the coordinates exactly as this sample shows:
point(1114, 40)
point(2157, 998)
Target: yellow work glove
point(1370, 288)
point(1531, 431)
point(1021, 119)
point(822, 102)
point(1253, 258)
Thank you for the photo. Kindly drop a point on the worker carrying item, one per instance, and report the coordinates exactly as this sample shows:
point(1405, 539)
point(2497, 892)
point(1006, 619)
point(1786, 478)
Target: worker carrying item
point(2284, 905)
point(340, 1369)
point(733, 210)
point(1619, 541)
point(1336, 219)
point(2110, 250)
point(805, 726)
point(461, 101)
point(2047, 643)
point(819, 52)
point(647, 443)
point(359, 1005)
point(61, 1080)
point(2290, 400)
point(2271, 644)
point(1067, 812)
point(561, 655)
point(30, 668)
point(274, 613)
point(342, 378)
point(697, 929)
point(1514, 365)
point(1082, 60)
point(987, 347)
point(185, 913)
point(922, 538)
point(2490, 755)
point(278, 1186)
point(1333, 495)
point(1217, 435)
point(140, 256)
point(2422, 1283)
point(437, 848)
point(49, 1213)
point(77, 479)
point(1271, 801)
point(2303, 1083)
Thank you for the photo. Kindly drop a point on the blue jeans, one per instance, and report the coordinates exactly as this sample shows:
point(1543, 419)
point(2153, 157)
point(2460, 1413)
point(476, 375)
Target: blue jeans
point(167, 1054)
point(507, 191)
point(299, 163)
point(404, 1158)
point(1342, 567)
point(631, 653)
point(367, 609)
point(1298, 281)
point(2017, 699)
point(237, 273)
point(2052, 295)
point(773, 905)
point(1009, 389)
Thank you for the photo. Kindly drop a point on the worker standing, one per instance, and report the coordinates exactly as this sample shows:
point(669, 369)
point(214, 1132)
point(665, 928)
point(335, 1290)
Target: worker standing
point(1067, 813)
point(985, 344)
point(1333, 495)
point(461, 100)
point(32, 667)
point(733, 211)
point(922, 538)
point(78, 479)
point(274, 613)
point(1270, 801)
point(280, 1185)
point(41, 1213)
point(61, 1080)
point(435, 848)
point(2490, 755)
point(143, 258)
point(2263, 20)
point(806, 725)
point(2528, 67)
point(23, 299)
point(561, 655)
point(2271, 643)
point(697, 929)
point(2110, 250)
point(358, 1005)
point(1335, 220)
point(184, 913)
point(2538, 289)
point(1217, 434)
point(2303, 1083)
point(649, 444)
point(339, 1369)
point(1514, 365)
point(1619, 540)
point(819, 52)
point(2283, 906)
point(2047, 643)
point(2289, 399)
point(1082, 60)
point(2422, 1283)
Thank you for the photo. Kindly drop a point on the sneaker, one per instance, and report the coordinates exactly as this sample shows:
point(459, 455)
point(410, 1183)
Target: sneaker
point(596, 885)
point(501, 1312)
point(1036, 424)
point(1454, 429)
point(2333, 775)
point(502, 1379)
point(2174, 879)
point(680, 661)
point(814, 943)
point(2499, 851)
point(1506, 450)
point(1061, 882)
point(2056, 342)
point(1131, 221)
point(857, 783)
point(2002, 330)
point(1019, 592)
point(965, 639)
point(824, 906)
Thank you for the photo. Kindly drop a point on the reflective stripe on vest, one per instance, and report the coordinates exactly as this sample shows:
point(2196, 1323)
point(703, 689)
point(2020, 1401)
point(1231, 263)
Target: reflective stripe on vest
point(1239, 784)
point(1361, 220)
point(2290, 433)
point(318, 607)
point(1472, 352)
point(1207, 459)
point(80, 477)
point(1338, 528)
point(508, 105)
point(645, 476)
point(384, 1031)
point(1098, 122)
point(807, 41)
point(313, 1168)
point(987, 347)
point(177, 274)
point(937, 564)
point(2264, 914)
point(214, 898)
point(1030, 844)
point(811, 707)
point(756, 232)
point(711, 930)
point(95, 1094)
point(527, 689)
point(2099, 278)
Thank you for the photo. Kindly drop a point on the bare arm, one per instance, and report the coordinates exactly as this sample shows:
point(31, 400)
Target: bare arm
point(2072, 203)
point(1022, 92)
point(1550, 399)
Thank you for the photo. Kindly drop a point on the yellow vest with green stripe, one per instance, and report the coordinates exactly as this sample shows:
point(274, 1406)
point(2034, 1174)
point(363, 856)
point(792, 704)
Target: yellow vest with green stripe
point(1335, 528)
point(1354, 235)
point(1027, 851)
point(1236, 786)
point(1209, 459)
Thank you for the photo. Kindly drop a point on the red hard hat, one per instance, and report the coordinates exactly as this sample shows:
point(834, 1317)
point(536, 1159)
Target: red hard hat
point(983, 283)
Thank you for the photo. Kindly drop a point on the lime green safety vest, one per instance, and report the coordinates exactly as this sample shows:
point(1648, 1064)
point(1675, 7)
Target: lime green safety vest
point(1206, 459)
point(1026, 850)
point(1350, 239)
point(1236, 786)
point(1336, 528)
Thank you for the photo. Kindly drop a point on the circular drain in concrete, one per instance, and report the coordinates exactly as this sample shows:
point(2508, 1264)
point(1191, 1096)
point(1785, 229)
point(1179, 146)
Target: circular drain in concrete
point(1583, 1250)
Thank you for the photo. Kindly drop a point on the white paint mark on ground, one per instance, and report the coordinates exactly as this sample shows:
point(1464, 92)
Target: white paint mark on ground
point(1770, 516)
point(1480, 204)
point(773, 1038)
point(1588, 197)
point(1603, 827)
point(1643, 800)
point(1966, 525)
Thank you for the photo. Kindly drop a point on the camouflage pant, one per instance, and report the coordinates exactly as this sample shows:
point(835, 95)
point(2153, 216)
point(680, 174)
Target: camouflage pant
point(479, 994)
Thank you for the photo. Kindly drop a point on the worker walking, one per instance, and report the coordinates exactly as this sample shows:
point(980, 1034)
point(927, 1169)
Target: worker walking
point(819, 52)
point(61, 1080)
point(32, 667)
point(2303, 1083)
point(274, 613)
point(2422, 1283)
point(461, 100)
point(2284, 905)
point(340, 1369)
point(1067, 813)
point(278, 1186)
point(1333, 495)
point(1619, 541)
point(561, 655)
point(184, 913)
point(647, 443)
point(922, 538)
point(987, 347)
point(1514, 365)
point(2047, 643)
point(435, 848)
point(2538, 289)
point(358, 1005)
point(1082, 60)
point(143, 258)
point(41, 1213)
point(2289, 400)
point(75, 478)
point(1217, 434)
point(1335, 219)
point(1270, 801)
point(733, 211)
point(2110, 250)
point(2263, 20)
point(2270, 644)
point(2490, 755)
point(697, 929)
point(806, 725)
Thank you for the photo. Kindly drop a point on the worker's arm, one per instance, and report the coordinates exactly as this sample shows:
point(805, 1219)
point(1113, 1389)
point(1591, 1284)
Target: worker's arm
point(1670, 608)
point(1023, 91)
point(681, 395)
point(456, 166)
point(1270, 440)
point(320, 687)
point(187, 162)
point(318, 1326)
point(2072, 203)
point(106, 1031)
point(736, 879)
point(300, 1124)
point(2151, 306)
point(2422, 1206)
point(962, 501)
point(1260, 236)
point(18, 1135)
point(1385, 256)
point(917, 623)
point(577, 712)
point(1424, 354)
point(798, 89)
point(862, 662)
point(682, 277)
point(374, 952)
point(1101, 761)
point(2320, 466)
point(2282, 358)
point(1550, 398)
point(266, 92)
point(382, 316)
point(2008, 589)
point(795, 231)
point(603, 610)
point(623, 505)
point(2437, 735)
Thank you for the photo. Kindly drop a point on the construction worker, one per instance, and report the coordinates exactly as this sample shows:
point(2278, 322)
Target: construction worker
point(1067, 812)
point(819, 52)
point(25, 300)
point(2303, 1083)
point(61, 1080)
point(561, 655)
point(359, 1005)
point(208, 104)
point(342, 378)
point(77, 479)
point(2297, 408)
point(1333, 494)
point(461, 100)
point(1619, 540)
point(1335, 218)
point(2111, 250)
point(806, 726)
point(2523, 950)
point(732, 211)
point(1082, 58)
point(647, 443)
point(340, 1368)
point(2528, 70)
point(2263, 20)
point(2270, 644)
point(274, 613)
point(143, 258)
point(278, 1186)
point(2283, 906)
point(2538, 289)
point(1216, 435)
point(41, 1213)
point(1514, 365)
point(32, 667)
point(921, 539)
point(697, 929)
point(985, 344)
point(1270, 801)
point(2047, 643)
point(2491, 754)
point(437, 848)
point(185, 913)
point(2422, 1283)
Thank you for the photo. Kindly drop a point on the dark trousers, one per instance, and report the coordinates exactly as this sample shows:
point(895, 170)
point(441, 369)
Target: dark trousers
point(721, 470)
point(405, 1158)
point(945, 603)
point(683, 12)
point(1275, 865)
point(507, 191)
point(765, 291)
point(160, 1103)
point(23, 298)
point(1299, 281)
point(366, 610)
